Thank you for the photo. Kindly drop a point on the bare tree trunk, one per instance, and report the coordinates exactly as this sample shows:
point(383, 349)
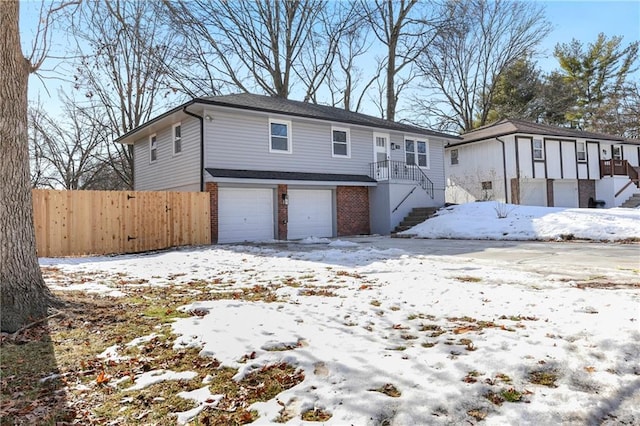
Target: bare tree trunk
point(23, 294)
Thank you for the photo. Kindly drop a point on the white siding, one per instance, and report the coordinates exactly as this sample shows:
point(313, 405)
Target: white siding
point(477, 162)
point(593, 159)
point(525, 157)
point(552, 159)
point(569, 161)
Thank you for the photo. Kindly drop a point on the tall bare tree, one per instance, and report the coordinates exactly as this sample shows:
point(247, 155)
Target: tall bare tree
point(266, 46)
point(24, 296)
point(70, 150)
point(124, 56)
point(405, 28)
point(462, 66)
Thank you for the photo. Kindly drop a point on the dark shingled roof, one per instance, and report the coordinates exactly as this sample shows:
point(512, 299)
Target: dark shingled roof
point(250, 101)
point(510, 126)
point(274, 175)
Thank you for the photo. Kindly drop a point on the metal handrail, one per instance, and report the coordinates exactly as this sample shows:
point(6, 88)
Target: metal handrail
point(391, 169)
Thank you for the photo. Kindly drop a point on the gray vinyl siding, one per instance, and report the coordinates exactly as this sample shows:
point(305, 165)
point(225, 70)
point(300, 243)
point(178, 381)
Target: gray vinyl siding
point(240, 140)
point(169, 172)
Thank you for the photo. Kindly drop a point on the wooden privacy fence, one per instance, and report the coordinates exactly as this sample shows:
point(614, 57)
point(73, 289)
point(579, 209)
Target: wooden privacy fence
point(71, 223)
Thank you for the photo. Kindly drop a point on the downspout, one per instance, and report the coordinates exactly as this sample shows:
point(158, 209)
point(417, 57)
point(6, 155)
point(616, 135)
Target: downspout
point(201, 145)
point(504, 169)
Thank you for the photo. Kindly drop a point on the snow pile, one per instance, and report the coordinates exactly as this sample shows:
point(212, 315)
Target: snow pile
point(498, 221)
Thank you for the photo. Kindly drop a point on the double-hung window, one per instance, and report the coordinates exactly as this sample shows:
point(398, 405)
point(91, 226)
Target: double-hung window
point(177, 139)
point(581, 151)
point(340, 142)
point(280, 136)
point(153, 148)
point(416, 152)
point(538, 152)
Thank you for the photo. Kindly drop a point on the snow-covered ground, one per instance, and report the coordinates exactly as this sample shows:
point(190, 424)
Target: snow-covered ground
point(498, 221)
point(449, 333)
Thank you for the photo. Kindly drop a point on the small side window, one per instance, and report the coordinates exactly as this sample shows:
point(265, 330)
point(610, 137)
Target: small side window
point(177, 139)
point(454, 156)
point(340, 142)
point(581, 152)
point(153, 148)
point(279, 136)
point(538, 152)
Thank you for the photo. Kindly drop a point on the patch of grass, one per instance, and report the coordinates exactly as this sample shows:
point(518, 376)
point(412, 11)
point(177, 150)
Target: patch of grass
point(348, 274)
point(408, 336)
point(421, 316)
point(316, 415)
point(397, 348)
point(324, 292)
point(478, 413)
point(395, 308)
point(468, 344)
point(375, 303)
point(428, 344)
point(389, 390)
point(503, 378)
point(544, 378)
point(467, 279)
point(511, 395)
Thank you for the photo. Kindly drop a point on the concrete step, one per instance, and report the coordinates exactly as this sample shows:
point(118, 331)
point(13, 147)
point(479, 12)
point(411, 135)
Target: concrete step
point(415, 217)
point(632, 202)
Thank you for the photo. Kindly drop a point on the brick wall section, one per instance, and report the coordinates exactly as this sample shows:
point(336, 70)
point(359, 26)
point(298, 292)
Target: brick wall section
point(212, 189)
point(352, 210)
point(550, 196)
point(586, 189)
point(283, 213)
point(515, 191)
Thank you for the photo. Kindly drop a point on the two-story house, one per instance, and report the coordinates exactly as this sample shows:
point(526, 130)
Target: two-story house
point(283, 169)
point(519, 162)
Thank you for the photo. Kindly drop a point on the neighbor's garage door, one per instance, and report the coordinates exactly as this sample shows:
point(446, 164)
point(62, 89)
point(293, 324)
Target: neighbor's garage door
point(533, 192)
point(310, 213)
point(565, 193)
point(245, 214)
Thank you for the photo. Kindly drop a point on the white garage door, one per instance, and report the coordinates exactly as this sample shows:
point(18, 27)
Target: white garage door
point(533, 192)
point(245, 214)
point(565, 193)
point(310, 213)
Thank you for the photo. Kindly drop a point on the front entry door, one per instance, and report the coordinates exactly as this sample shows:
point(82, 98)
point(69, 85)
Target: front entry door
point(381, 155)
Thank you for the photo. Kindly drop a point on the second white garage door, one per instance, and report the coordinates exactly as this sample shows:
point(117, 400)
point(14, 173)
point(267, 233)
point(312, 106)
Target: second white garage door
point(310, 213)
point(245, 214)
point(565, 193)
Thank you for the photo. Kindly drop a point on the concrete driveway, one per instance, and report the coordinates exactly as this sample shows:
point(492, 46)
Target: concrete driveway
point(585, 261)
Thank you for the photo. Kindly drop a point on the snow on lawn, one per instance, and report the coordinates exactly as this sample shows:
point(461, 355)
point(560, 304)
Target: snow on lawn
point(394, 337)
point(482, 221)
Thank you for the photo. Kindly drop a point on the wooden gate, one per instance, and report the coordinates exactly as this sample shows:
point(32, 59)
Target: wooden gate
point(72, 223)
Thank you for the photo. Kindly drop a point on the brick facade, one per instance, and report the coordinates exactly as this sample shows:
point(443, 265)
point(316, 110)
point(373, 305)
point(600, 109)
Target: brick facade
point(212, 189)
point(515, 191)
point(283, 213)
point(586, 190)
point(550, 196)
point(352, 210)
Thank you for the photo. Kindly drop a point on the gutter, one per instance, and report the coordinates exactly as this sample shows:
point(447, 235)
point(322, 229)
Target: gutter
point(504, 169)
point(184, 109)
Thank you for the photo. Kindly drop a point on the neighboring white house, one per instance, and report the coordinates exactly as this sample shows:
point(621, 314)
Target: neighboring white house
point(520, 162)
point(282, 169)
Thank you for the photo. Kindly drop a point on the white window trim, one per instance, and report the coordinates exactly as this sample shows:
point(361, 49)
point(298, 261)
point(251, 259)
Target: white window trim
point(584, 144)
point(415, 152)
point(173, 138)
point(151, 149)
point(347, 131)
point(533, 150)
point(289, 136)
